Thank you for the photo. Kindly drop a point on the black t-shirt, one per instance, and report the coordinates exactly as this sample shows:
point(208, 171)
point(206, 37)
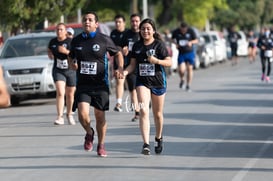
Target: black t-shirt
point(129, 38)
point(60, 59)
point(233, 38)
point(117, 37)
point(183, 39)
point(266, 41)
point(150, 75)
point(91, 56)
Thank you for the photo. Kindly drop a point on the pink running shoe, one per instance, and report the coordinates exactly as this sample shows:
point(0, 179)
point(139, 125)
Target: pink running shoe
point(267, 79)
point(263, 76)
point(101, 150)
point(88, 143)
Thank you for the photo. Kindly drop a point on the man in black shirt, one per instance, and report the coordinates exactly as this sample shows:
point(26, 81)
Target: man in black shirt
point(117, 36)
point(131, 36)
point(88, 56)
point(233, 38)
point(184, 38)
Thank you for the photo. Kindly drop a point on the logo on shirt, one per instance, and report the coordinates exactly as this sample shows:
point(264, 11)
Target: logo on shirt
point(96, 47)
point(78, 48)
point(65, 45)
point(188, 35)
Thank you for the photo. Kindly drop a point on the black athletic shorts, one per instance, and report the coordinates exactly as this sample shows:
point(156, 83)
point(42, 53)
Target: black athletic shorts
point(68, 76)
point(96, 97)
point(131, 81)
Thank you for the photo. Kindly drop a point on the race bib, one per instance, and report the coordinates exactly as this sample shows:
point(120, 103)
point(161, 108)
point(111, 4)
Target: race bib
point(89, 68)
point(183, 43)
point(268, 53)
point(62, 64)
point(146, 69)
point(130, 45)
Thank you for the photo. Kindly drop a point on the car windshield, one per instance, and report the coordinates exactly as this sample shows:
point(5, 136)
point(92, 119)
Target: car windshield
point(31, 46)
point(207, 40)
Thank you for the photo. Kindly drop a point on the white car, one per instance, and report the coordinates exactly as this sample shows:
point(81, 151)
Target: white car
point(219, 46)
point(27, 68)
point(242, 45)
point(208, 52)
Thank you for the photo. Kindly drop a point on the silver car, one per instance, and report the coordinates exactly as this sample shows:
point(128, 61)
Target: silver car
point(27, 68)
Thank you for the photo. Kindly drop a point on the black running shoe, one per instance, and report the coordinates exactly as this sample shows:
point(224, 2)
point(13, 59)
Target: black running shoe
point(188, 89)
point(146, 149)
point(181, 84)
point(158, 145)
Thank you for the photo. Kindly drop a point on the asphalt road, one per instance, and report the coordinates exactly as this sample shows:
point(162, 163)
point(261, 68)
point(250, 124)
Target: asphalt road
point(222, 130)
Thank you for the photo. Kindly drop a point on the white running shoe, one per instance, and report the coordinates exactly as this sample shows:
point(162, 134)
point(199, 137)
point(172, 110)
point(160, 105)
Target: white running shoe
point(71, 120)
point(59, 121)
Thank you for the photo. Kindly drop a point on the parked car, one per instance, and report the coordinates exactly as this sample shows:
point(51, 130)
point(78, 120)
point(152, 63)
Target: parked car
point(219, 46)
point(242, 44)
point(27, 68)
point(207, 48)
point(103, 28)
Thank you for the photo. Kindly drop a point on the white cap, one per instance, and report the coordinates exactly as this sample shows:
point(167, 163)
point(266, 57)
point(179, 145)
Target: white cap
point(70, 30)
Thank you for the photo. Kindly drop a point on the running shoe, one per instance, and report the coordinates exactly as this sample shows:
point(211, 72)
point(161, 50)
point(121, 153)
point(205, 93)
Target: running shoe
point(188, 89)
point(263, 76)
point(134, 119)
point(181, 84)
point(88, 143)
point(59, 121)
point(118, 108)
point(101, 150)
point(146, 149)
point(267, 79)
point(71, 119)
point(158, 145)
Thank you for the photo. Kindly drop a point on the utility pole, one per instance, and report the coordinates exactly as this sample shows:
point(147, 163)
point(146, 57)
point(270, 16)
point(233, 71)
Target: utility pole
point(145, 8)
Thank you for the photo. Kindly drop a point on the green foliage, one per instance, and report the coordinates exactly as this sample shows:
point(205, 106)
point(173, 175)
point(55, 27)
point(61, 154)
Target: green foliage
point(195, 12)
point(26, 14)
point(246, 14)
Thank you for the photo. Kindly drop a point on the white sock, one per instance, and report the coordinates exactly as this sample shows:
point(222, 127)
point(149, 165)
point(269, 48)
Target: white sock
point(119, 101)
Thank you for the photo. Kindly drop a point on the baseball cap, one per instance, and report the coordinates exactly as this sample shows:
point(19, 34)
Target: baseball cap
point(70, 30)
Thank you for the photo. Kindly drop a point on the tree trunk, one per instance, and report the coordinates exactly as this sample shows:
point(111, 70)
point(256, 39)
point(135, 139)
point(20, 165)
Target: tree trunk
point(166, 15)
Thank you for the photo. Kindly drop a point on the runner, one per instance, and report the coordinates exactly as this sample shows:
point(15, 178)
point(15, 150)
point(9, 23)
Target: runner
point(117, 36)
point(4, 94)
point(184, 37)
point(149, 57)
point(252, 46)
point(265, 44)
point(130, 37)
point(63, 76)
point(233, 38)
point(88, 56)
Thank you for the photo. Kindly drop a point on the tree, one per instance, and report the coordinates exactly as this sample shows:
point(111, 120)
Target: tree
point(195, 12)
point(246, 14)
point(26, 14)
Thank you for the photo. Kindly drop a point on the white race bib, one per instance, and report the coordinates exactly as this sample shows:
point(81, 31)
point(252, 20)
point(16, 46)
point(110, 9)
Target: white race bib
point(268, 53)
point(146, 69)
point(183, 43)
point(130, 45)
point(89, 68)
point(62, 64)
